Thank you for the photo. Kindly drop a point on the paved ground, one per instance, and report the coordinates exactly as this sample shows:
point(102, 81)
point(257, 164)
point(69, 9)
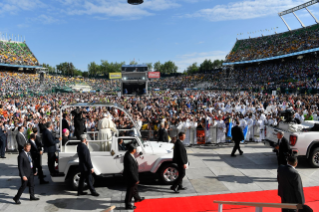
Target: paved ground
point(212, 171)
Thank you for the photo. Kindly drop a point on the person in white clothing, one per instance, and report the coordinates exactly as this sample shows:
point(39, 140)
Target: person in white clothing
point(105, 127)
point(221, 129)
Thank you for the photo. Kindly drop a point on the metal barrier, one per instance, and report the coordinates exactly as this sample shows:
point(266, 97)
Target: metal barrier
point(259, 206)
point(191, 135)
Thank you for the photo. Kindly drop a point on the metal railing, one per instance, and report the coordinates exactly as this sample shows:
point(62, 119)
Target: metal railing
point(191, 135)
point(259, 206)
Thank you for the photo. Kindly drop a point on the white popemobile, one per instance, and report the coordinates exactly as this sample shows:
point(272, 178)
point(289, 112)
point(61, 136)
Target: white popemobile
point(152, 156)
point(303, 138)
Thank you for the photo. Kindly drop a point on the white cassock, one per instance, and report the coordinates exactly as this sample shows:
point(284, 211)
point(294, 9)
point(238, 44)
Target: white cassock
point(256, 130)
point(221, 130)
point(242, 124)
point(105, 127)
point(193, 134)
point(262, 130)
point(250, 132)
point(187, 128)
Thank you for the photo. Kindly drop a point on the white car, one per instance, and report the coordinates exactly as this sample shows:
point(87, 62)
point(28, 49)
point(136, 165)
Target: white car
point(152, 156)
point(303, 140)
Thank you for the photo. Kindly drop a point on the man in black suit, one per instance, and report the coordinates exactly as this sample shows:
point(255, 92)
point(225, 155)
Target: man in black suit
point(163, 134)
point(131, 176)
point(180, 158)
point(36, 152)
point(238, 136)
point(25, 165)
point(3, 140)
point(283, 148)
point(49, 143)
point(79, 123)
point(289, 184)
point(21, 139)
point(86, 167)
point(121, 145)
point(65, 124)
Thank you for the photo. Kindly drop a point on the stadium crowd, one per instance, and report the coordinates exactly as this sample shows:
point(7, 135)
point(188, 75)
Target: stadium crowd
point(275, 45)
point(174, 110)
point(16, 53)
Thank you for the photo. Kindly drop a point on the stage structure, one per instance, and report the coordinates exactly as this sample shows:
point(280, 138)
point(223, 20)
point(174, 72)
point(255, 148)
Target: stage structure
point(294, 9)
point(134, 79)
point(41, 72)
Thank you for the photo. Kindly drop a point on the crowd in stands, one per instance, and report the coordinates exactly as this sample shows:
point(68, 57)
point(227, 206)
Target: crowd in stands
point(290, 73)
point(275, 45)
point(16, 53)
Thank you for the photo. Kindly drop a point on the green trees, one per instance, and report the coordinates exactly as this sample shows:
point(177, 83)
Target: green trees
point(168, 67)
point(68, 69)
point(206, 65)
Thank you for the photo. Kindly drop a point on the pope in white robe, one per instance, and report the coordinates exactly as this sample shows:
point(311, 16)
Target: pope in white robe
point(105, 126)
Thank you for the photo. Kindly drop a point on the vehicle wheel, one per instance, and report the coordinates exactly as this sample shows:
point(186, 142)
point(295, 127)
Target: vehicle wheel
point(314, 158)
point(168, 173)
point(75, 179)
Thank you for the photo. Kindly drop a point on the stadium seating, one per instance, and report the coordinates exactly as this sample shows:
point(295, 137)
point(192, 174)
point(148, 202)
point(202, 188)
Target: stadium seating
point(16, 53)
point(275, 45)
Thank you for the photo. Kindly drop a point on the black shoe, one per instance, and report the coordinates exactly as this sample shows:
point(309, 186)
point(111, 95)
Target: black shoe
point(16, 201)
point(140, 199)
point(182, 188)
point(82, 193)
point(241, 153)
point(34, 198)
point(130, 207)
point(44, 182)
point(232, 155)
point(95, 194)
point(174, 189)
point(3, 157)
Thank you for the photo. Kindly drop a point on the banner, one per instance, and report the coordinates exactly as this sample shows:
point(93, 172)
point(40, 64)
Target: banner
point(153, 75)
point(116, 75)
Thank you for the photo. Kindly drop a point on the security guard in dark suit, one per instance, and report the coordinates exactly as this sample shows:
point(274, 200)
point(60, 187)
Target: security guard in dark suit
point(131, 176)
point(283, 148)
point(289, 184)
point(25, 165)
point(180, 158)
point(86, 167)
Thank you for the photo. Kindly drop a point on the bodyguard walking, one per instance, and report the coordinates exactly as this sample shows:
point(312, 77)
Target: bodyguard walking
point(180, 158)
point(238, 136)
point(26, 172)
point(131, 176)
point(283, 148)
point(86, 167)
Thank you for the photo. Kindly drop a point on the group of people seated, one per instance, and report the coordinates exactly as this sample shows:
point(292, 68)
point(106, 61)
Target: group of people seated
point(275, 45)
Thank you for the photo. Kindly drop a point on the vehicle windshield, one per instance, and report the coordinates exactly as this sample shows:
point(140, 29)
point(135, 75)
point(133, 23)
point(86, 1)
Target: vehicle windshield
point(142, 140)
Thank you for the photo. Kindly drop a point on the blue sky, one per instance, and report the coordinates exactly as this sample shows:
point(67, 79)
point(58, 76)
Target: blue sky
point(184, 31)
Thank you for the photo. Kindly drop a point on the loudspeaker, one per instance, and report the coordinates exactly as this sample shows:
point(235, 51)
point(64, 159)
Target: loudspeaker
point(135, 2)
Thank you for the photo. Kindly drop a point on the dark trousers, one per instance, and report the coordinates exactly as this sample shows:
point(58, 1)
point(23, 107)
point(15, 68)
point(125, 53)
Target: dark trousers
point(131, 191)
point(37, 166)
point(88, 177)
point(181, 175)
point(236, 147)
point(51, 161)
point(287, 210)
point(2, 147)
point(24, 184)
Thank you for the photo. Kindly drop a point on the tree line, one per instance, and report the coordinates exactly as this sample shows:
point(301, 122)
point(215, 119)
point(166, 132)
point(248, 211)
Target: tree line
point(105, 67)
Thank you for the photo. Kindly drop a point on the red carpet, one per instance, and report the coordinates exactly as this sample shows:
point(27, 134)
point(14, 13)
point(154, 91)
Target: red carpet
point(205, 203)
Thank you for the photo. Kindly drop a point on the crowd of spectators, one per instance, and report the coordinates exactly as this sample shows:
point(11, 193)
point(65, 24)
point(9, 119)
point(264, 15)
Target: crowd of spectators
point(275, 45)
point(16, 53)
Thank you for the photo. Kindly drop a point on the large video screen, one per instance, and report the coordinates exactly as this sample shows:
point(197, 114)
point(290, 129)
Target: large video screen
point(134, 88)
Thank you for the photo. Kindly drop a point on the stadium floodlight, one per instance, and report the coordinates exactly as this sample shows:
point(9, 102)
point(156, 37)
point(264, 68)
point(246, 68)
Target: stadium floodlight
point(135, 2)
point(294, 9)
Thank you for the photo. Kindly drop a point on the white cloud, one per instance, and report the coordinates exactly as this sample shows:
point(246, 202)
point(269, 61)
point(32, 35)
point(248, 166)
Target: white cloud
point(14, 6)
point(45, 19)
point(245, 9)
point(183, 61)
